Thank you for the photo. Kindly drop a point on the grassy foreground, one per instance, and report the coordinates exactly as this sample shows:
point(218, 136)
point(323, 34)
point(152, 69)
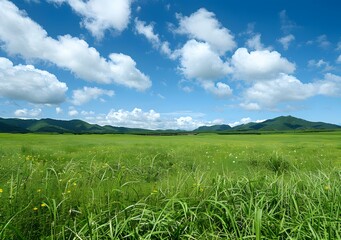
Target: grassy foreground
point(285, 186)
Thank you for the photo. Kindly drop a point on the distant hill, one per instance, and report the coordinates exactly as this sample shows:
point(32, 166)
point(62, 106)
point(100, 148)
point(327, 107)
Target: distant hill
point(287, 123)
point(14, 125)
point(214, 128)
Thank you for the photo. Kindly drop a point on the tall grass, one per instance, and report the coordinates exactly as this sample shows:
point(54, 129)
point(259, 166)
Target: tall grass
point(165, 191)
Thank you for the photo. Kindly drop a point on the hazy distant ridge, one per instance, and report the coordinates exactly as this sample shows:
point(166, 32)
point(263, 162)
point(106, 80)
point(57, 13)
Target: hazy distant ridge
point(283, 123)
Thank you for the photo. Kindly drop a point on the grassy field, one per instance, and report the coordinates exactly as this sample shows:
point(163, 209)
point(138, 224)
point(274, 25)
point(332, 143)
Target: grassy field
point(273, 186)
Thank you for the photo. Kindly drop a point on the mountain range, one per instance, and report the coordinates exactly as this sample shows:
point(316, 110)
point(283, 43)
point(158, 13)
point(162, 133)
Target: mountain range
point(283, 123)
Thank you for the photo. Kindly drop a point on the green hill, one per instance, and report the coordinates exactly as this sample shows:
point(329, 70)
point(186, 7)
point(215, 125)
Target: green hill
point(214, 128)
point(14, 125)
point(286, 123)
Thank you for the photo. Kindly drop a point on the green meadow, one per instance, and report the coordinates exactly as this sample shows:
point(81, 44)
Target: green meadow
point(206, 186)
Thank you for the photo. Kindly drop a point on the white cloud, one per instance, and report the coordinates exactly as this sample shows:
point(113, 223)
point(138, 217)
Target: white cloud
point(330, 85)
point(322, 41)
point(27, 113)
point(148, 32)
point(286, 24)
point(219, 89)
point(251, 106)
point(244, 121)
point(20, 35)
point(203, 25)
point(59, 110)
point(286, 88)
point(136, 118)
point(73, 112)
point(199, 61)
point(285, 41)
point(25, 82)
point(87, 113)
point(320, 64)
point(241, 121)
point(101, 15)
point(255, 43)
point(259, 65)
point(81, 96)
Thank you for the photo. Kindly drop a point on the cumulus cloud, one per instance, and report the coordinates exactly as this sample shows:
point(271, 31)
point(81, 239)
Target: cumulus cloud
point(135, 118)
point(286, 40)
point(255, 43)
point(73, 112)
point(199, 61)
point(241, 121)
point(286, 88)
point(244, 121)
point(148, 32)
point(219, 89)
point(101, 15)
point(330, 85)
point(20, 35)
point(259, 65)
point(25, 82)
point(27, 112)
point(203, 25)
point(81, 96)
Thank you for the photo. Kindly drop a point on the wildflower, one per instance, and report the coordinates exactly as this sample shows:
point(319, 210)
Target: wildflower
point(38, 190)
point(35, 209)
point(74, 184)
point(327, 187)
point(43, 205)
point(68, 191)
point(154, 191)
point(1, 190)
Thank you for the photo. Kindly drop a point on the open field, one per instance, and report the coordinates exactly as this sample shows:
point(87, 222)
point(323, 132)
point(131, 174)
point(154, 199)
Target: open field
point(273, 186)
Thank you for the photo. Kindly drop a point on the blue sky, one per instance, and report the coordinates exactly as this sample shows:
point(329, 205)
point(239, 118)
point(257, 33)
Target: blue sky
point(170, 64)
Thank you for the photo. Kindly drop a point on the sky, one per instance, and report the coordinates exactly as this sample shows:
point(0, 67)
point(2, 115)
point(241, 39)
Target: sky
point(161, 64)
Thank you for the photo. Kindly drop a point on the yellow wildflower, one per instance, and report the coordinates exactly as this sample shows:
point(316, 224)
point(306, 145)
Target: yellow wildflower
point(74, 184)
point(38, 190)
point(43, 205)
point(1, 190)
point(35, 209)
